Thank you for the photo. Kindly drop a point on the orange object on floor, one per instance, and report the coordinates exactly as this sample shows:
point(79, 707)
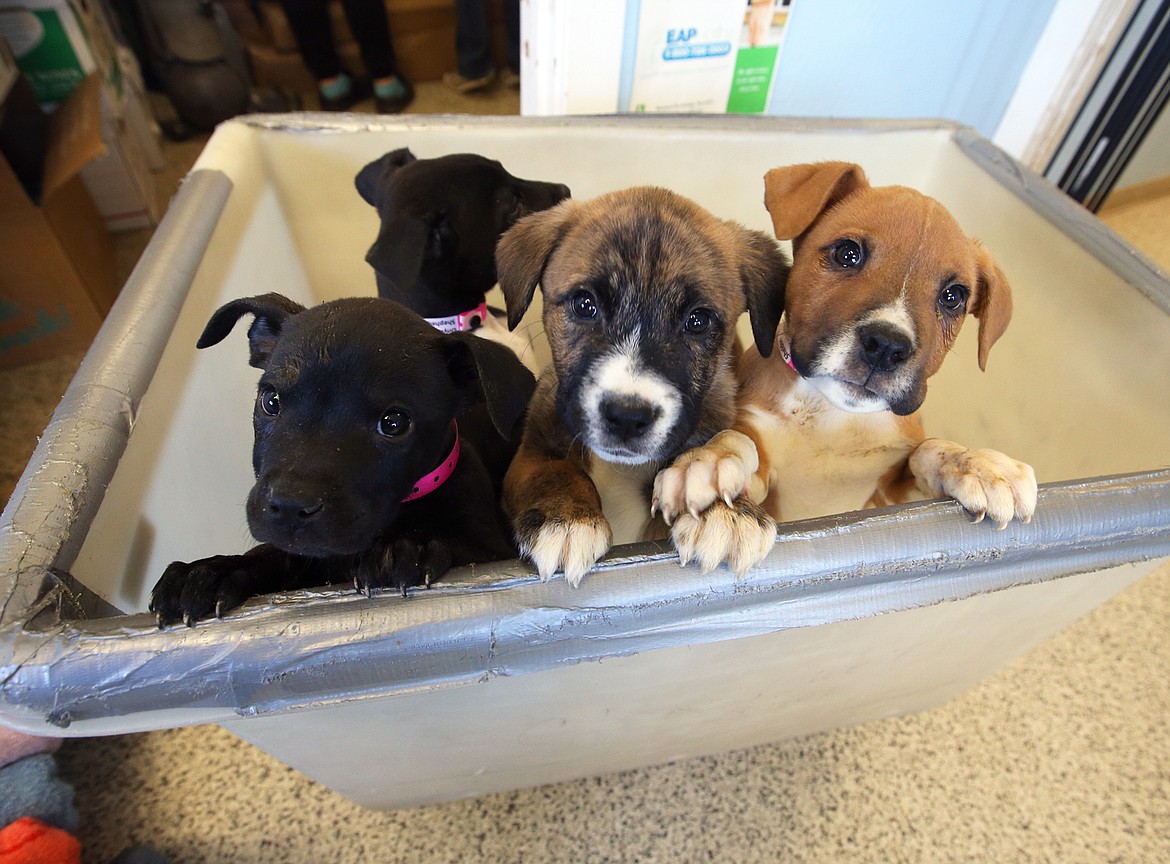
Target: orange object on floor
point(31, 841)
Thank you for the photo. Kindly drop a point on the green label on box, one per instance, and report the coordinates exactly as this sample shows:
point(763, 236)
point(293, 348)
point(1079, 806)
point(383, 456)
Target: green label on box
point(44, 52)
point(752, 82)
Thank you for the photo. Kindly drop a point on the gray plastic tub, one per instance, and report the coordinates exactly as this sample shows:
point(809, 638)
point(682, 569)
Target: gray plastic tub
point(493, 680)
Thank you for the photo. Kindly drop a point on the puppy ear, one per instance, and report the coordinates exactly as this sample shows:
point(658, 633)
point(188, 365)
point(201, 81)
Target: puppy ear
point(522, 253)
point(490, 373)
point(797, 194)
point(271, 311)
point(992, 303)
point(371, 180)
point(397, 253)
point(764, 273)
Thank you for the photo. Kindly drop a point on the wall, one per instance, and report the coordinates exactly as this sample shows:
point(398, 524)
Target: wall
point(905, 58)
point(961, 60)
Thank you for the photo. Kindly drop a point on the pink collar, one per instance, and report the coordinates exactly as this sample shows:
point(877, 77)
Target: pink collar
point(432, 480)
point(785, 350)
point(464, 321)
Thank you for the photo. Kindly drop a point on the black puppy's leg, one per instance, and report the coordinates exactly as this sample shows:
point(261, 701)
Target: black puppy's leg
point(191, 591)
point(405, 560)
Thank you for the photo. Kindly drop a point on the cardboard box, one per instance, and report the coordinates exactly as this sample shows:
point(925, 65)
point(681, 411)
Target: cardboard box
point(58, 43)
point(58, 275)
point(121, 180)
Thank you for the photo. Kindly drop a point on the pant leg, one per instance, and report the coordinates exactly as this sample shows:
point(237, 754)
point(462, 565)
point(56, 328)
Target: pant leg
point(309, 22)
point(370, 27)
point(512, 28)
point(472, 38)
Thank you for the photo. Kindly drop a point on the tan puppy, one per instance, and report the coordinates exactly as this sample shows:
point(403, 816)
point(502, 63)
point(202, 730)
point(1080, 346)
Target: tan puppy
point(642, 292)
point(881, 281)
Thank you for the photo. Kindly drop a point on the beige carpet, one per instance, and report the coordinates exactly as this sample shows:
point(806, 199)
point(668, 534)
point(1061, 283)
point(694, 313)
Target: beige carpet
point(1062, 757)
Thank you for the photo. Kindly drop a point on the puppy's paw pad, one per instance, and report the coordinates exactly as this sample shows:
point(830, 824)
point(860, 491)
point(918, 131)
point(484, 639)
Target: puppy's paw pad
point(740, 535)
point(568, 546)
point(722, 470)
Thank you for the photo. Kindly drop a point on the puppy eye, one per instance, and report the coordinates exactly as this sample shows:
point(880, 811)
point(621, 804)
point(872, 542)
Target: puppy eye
point(847, 254)
point(953, 298)
point(698, 321)
point(393, 424)
point(269, 401)
point(584, 305)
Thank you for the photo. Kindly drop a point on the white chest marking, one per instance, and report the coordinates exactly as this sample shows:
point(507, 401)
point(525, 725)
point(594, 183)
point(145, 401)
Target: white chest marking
point(625, 500)
point(824, 460)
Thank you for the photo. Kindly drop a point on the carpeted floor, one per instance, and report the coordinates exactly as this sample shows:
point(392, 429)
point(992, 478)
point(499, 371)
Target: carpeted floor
point(1063, 757)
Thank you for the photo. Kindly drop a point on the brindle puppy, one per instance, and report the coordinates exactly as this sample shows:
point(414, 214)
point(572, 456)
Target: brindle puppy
point(642, 292)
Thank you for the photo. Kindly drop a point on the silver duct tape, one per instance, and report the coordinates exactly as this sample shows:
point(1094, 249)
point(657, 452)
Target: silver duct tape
point(55, 500)
point(326, 123)
point(319, 648)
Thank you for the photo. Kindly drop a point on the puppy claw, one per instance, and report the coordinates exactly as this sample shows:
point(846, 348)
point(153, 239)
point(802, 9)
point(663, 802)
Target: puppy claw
point(571, 547)
point(720, 470)
point(740, 536)
point(986, 483)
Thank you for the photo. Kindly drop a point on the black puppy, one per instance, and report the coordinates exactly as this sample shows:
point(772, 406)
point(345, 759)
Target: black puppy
point(366, 453)
point(441, 218)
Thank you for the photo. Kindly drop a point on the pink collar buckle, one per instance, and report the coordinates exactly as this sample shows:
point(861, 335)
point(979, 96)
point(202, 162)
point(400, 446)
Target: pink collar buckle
point(432, 480)
point(472, 319)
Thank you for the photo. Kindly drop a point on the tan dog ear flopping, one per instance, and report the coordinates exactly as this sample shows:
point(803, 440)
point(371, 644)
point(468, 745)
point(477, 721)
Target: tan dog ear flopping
point(796, 195)
point(991, 303)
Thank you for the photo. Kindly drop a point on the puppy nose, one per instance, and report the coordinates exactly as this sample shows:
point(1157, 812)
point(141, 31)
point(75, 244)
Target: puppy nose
point(292, 506)
point(562, 191)
point(884, 347)
point(628, 416)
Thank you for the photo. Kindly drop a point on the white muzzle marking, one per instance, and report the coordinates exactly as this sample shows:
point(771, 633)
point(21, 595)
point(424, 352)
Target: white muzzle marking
point(620, 373)
point(832, 371)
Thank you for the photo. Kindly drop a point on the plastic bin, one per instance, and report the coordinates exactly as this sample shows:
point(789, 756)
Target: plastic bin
point(493, 680)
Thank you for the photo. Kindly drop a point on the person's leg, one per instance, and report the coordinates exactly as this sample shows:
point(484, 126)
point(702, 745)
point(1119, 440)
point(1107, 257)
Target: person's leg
point(309, 22)
point(512, 28)
point(472, 39)
point(371, 30)
point(472, 48)
point(370, 27)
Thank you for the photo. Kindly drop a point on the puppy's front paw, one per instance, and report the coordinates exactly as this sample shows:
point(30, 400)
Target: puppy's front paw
point(721, 469)
point(403, 562)
point(571, 544)
point(740, 534)
point(189, 592)
point(986, 482)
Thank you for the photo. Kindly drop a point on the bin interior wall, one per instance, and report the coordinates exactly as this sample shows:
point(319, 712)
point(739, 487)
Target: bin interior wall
point(1076, 387)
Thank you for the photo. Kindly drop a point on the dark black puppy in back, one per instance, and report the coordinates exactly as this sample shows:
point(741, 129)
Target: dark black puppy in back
point(366, 453)
point(441, 218)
